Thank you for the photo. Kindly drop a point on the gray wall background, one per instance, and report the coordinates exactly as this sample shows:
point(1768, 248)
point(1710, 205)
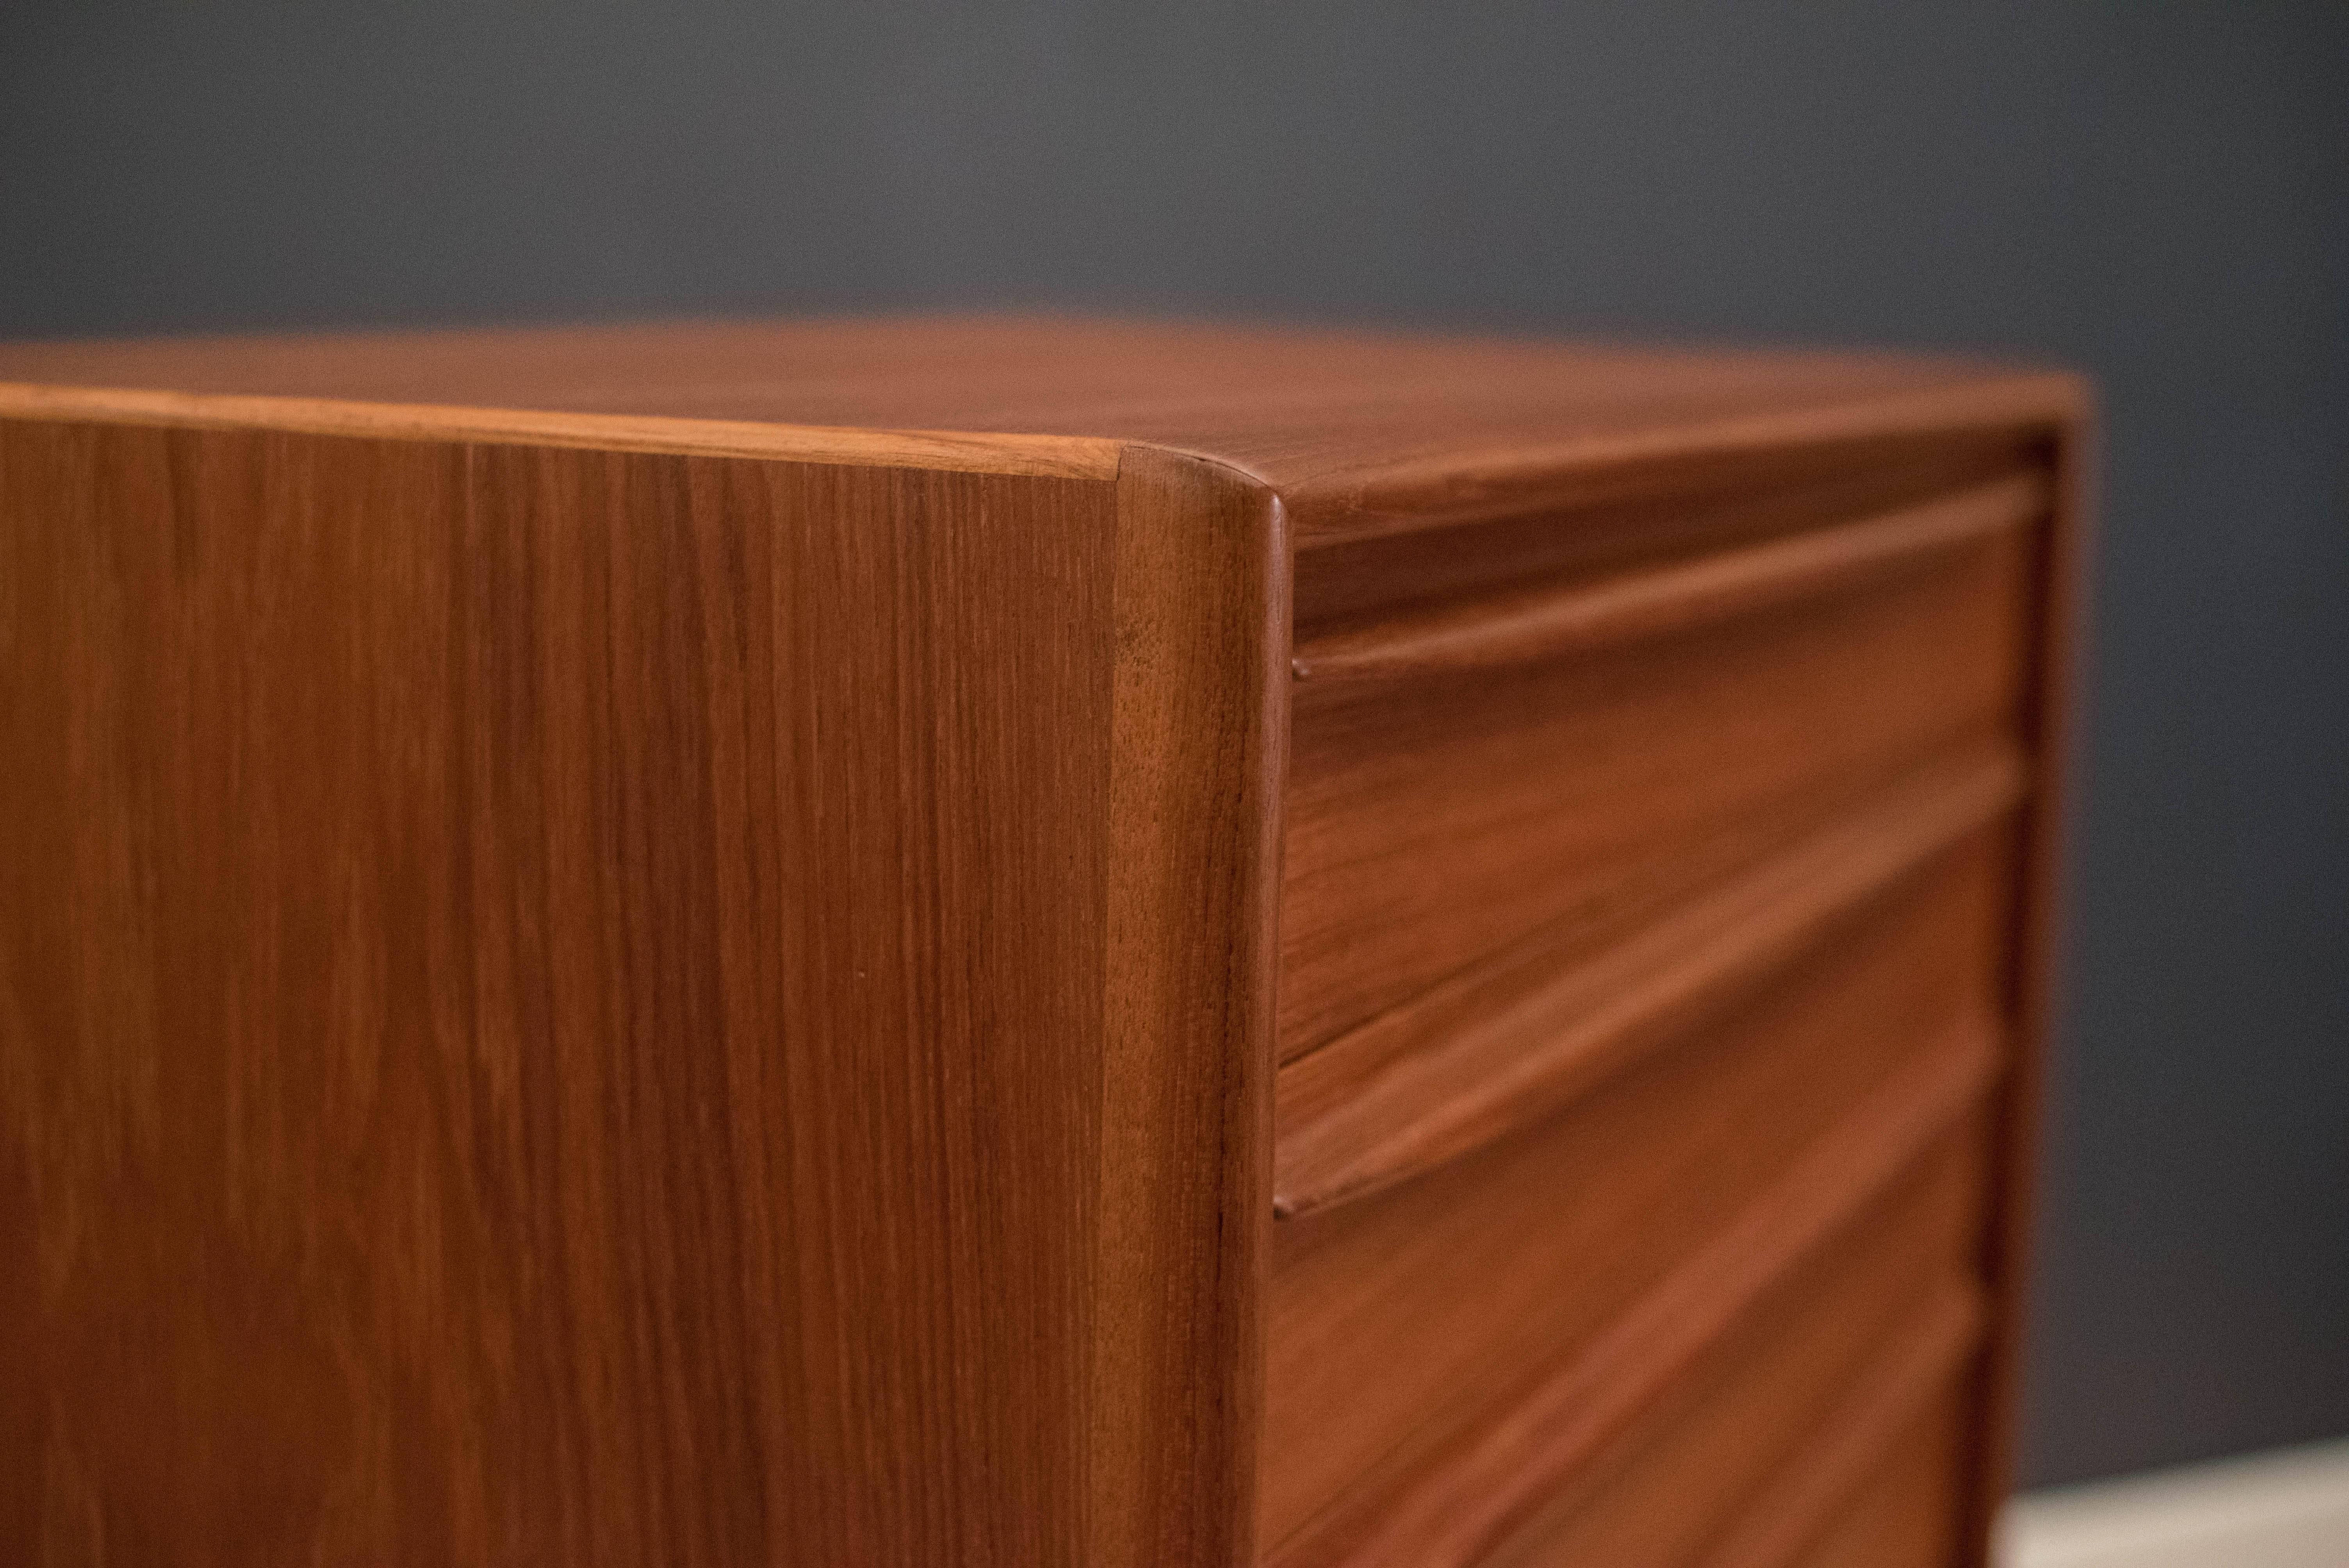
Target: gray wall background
point(2156, 193)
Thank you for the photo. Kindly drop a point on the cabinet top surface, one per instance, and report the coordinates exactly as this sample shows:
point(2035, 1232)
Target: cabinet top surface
point(1340, 418)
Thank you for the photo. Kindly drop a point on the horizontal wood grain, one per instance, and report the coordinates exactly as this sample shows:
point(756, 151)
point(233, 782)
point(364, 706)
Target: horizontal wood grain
point(1435, 823)
point(1453, 1509)
point(979, 942)
point(1044, 457)
point(1405, 1314)
point(1915, 1374)
point(1359, 433)
point(1721, 1445)
point(1526, 477)
point(1346, 586)
point(1509, 1042)
point(1550, 622)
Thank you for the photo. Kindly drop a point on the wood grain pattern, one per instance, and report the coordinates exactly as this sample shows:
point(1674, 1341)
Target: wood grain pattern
point(1676, 517)
point(1435, 823)
point(1552, 621)
point(1044, 457)
point(1402, 1318)
point(595, 982)
point(1461, 1506)
point(1186, 1144)
point(1359, 433)
point(1914, 1374)
point(678, 943)
point(1511, 1041)
point(549, 947)
point(1848, 1335)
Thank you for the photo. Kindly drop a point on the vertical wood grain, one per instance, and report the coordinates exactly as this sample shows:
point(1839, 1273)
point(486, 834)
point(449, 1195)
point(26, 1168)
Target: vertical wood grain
point(712, 1006)
point(552, 1008)
point(1202, 608)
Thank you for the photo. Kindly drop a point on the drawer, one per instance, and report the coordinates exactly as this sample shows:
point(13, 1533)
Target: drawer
point(676, 947)
point(1558, 762)
point(1522, 1033)
point(1397, 1320)
point(1906, 1513)
point(1752, 1459)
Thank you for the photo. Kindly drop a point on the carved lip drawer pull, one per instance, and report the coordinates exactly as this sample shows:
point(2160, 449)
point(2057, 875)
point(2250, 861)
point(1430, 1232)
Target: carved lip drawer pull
point(1455, 1508)
point(1506, 1044)
point(1548, 621)
point(1918, 1361)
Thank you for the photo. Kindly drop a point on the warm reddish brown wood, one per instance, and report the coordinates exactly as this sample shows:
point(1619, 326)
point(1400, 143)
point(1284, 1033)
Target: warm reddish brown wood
point(1910, 1375)
point(1433, 823)
point(1460, 1504)
point(678, 944)
point(1906, 1514)
point(1047, 457)
point(539, 1000)
point(1901, 1388)
point(1673, 518)
point(1509, 1042)
point(1555, 620)
point(1434, 1284)
point(1881, 1325)
point(1198, 743)
point(548, 999)
point(1360, 433)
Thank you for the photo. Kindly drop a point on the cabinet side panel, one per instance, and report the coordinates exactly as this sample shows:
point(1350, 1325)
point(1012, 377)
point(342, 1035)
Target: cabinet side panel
point(1185, 1194)
point(550, 1003)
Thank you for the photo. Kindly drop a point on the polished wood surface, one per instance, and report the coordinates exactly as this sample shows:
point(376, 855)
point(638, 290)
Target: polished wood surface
point(1507, 1044)
point(1359, 433)
point(551, 1016)
point(1748, 1463)
point(1458, 1503)
point(994, 942)
point(1197, 709)
point(1433, 1282)
point(1435, 823)
point(1050, 457)
point(1555, 620)
point(1673, 516)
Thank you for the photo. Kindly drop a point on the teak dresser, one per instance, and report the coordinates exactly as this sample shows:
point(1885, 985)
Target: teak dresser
point(1019, 943)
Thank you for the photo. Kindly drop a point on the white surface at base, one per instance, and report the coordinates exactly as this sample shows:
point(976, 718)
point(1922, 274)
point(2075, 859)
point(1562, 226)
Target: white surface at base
point(2288, 1508)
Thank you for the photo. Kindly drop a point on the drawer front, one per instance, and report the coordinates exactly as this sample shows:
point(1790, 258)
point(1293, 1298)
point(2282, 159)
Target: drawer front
point(1624, 745)
point(1756, 1459)
point(1906, 1515)
point(1401, 1322)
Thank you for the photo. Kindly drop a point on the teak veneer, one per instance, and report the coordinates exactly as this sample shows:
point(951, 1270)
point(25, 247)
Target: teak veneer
point(1020, 943)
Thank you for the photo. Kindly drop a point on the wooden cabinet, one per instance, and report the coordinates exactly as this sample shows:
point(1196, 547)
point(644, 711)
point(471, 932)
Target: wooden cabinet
point(1019, 943)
